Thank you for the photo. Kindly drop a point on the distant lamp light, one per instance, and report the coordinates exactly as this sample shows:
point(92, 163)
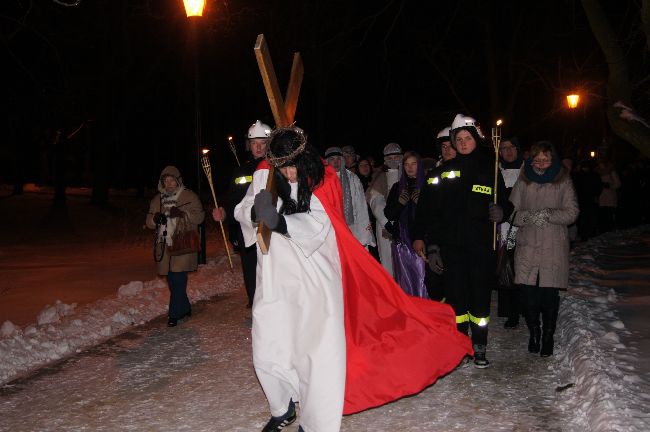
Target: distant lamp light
point(592, 154)
point(194, 7)
point(573, 100)
point(499, 122)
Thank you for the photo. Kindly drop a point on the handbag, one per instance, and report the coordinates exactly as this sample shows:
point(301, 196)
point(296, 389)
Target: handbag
point(505, 270)
point(184, 240)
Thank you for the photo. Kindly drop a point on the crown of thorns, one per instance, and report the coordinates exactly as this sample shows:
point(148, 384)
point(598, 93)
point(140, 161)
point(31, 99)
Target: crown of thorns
point(300, 139)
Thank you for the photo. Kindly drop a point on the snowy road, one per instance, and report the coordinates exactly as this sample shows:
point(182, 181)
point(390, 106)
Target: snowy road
point(199, 377)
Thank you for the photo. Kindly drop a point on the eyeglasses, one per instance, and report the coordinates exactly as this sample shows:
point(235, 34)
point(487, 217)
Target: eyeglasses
point(541, 162)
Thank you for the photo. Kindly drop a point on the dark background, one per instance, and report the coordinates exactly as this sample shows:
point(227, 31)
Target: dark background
point(375, 72)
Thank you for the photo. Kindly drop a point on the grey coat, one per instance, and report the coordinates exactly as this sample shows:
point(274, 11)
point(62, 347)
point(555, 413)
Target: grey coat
point(544, 251)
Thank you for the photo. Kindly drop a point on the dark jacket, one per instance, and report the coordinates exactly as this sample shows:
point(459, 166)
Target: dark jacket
point(454, 210)
point(241, 179)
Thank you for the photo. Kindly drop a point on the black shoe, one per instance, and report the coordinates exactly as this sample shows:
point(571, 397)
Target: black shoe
point(279, 423)
point(172, 322)
point(511, 323)
point(480, 361)
point(533, 340)
point(547, 345)
point(300, 429)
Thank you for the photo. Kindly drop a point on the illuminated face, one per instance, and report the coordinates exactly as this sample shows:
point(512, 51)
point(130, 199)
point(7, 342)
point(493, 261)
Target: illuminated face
point(448, 151)
point(508, 151)
point(364, 168)
point(290, 173)
point(170, 183)
point(465, 143)
point(541, 161)
point(335, 162)
point(258, 147)
point(411, 166)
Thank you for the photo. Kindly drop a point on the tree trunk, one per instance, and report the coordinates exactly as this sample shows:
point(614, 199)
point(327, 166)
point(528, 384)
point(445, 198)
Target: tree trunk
point(618, 82)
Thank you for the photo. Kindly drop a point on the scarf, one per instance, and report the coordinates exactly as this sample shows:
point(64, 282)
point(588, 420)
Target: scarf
point(547, 177)
point(167, 201)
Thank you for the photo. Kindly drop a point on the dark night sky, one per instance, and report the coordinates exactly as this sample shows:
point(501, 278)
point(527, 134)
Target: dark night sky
point(375, 72)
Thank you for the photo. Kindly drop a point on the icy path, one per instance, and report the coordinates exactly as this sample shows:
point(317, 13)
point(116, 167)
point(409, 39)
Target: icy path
point(199, 377)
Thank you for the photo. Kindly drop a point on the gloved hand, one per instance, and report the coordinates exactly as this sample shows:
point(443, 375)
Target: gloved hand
point(541, 217)
point(175, 212)
point(435, 260)
point(495, 213)
point(415, 195)
point(404, 197)
point(265, 211)
point(159, 219)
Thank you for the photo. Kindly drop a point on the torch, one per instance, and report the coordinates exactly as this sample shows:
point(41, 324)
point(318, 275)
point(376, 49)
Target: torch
point(207, 169)
point(496, 142)
point(231, 144)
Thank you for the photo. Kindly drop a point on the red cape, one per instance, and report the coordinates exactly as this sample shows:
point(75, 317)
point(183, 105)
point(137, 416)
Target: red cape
point(396, 345)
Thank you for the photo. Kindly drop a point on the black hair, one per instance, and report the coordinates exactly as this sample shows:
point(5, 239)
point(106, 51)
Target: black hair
point(290, 147)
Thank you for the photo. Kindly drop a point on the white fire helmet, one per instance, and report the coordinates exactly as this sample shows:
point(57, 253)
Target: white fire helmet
point(466, 121)
point(392, 149)
point(259, 130)
point(445, 133)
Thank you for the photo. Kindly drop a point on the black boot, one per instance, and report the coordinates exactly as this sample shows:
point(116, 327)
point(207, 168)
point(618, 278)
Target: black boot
point(532, 321)
point(549, 320)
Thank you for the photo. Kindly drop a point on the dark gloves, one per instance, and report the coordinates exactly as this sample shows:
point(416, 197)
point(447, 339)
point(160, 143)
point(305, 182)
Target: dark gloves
point(265, 211)
point(435, 260)
point(404, 197)
point(415, 195)
point(495, 213)
point(175, 212)
point(159, 219)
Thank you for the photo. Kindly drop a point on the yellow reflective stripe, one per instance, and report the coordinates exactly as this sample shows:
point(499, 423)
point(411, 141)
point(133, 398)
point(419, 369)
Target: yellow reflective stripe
point(450, 174)
point(482, 189)
point(462, 318)
point(433, 180)
point(243, 179)
point(479, 321)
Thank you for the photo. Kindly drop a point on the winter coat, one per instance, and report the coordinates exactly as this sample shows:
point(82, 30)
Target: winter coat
point(544, 251)
point(190, 205)
point(611, 184)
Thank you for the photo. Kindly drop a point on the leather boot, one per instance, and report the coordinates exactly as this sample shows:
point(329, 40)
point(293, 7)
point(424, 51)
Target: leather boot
point(532, 321)
point(549, 320)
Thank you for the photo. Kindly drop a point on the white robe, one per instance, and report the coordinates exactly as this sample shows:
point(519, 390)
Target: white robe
point(377, 202)
point(510, 176)
point(298, 329)
point(361, 227)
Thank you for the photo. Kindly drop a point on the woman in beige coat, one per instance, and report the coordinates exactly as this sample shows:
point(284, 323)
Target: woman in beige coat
point(545, 204)
point(173, 207)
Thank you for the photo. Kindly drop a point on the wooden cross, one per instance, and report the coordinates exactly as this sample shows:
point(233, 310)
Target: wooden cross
point(284, 111)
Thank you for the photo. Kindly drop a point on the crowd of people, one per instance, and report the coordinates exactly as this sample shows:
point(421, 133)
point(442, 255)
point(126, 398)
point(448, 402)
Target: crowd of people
point(377, 268)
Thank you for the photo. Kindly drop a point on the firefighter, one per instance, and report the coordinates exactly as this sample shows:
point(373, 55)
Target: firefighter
point(459, 231)
point(256, 143)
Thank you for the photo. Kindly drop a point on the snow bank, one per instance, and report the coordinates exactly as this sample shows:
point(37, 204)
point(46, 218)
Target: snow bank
point(607, 390)
point(63, 329)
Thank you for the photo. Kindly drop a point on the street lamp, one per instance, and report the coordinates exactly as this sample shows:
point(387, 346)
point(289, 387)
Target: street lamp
point(573, 100)
point(194, 11)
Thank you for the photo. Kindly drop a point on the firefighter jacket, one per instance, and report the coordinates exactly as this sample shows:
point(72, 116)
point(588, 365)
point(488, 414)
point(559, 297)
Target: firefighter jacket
point(241, 179)
point(453, 210)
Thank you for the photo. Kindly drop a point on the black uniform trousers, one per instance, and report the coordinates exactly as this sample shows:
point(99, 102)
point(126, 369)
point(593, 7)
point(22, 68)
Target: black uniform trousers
point(468, 279)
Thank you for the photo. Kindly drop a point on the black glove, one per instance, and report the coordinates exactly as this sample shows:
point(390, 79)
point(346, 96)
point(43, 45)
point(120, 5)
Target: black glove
point(404, 197)
point(175, 212)
point(435, 260)
point(265, 211)
point(159, 219)
point(495, 213)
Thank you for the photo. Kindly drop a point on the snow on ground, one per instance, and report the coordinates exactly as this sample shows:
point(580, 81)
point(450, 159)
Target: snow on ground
point(111, 364)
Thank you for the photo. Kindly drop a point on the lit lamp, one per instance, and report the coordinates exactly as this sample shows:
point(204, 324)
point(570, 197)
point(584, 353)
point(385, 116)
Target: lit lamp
point(194, 7)
point(573, 100)
point(592, 154)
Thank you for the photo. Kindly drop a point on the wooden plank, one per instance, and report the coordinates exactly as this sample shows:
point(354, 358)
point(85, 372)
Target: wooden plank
point(293, 89)
point(265, 64)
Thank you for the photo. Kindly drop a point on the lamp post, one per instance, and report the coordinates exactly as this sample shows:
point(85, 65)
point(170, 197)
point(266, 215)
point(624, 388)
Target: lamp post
point(194, 12)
